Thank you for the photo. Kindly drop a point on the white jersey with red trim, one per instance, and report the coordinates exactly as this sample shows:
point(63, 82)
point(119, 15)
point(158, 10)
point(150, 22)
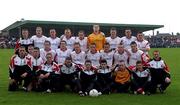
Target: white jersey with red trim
point(113, 42)
point(43, 54)
point(94, 58)
point(55, 42)
point(68, 70)
point(137, 56)
point(142, 45)
point(121, 57)
point(37, 61)
point(62, 55)
point(17, 61)
point(38, 41)
point(78, 58)
point(158, 64)
point(53, 67)
point(70, 42)
point(108, 57)
point(126, 42)
point(26, 41)
point(83, 43)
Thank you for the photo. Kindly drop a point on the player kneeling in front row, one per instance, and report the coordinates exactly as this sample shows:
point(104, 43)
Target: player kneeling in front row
point(48, 75)
point(20, 69)
point(88, 77)
point(104, 77)
point(160, 73)
point(141, 79)
point(121, 78)
point(69, 76)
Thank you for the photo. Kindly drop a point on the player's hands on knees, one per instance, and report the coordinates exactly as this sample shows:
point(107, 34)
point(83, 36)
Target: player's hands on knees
point(41, 76)
point(46, 75)
point(24, 75)
point(11, 81)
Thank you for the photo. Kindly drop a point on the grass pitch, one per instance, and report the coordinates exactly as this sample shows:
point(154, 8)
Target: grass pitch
point(170, 97)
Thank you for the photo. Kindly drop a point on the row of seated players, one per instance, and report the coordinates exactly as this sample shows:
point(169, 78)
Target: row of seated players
point(51, 77)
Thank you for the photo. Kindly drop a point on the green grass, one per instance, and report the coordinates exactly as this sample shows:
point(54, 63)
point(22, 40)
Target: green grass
point(172, 95)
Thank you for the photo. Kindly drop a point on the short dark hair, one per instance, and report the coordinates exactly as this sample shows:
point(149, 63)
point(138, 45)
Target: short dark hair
point(133, 42)
point(63, 41)
point(113, 28)
point(88, 61)
point(68, 58)
point(30, 46)
point(81, 31)
point(93, 44)
point(22, 47)
point(36, 48)
point(24, 29)
point(103, 61)
point(139, 62)
point(46, 41)
point(139, 32)
point(77, 43)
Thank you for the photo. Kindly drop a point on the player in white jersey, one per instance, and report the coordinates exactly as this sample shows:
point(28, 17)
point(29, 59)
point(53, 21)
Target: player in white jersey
point(48, 75)
point(55, 41)
point(62, 53)
point(39, 39)
point(142, 43)
point(82, 40)
point(78, 56)
point(47, 49)
point(93, 55)
point(70, 40)
point(113, 40)
point(160, 73)
point(126, 40)
point(121, 54)
point(24, 41)
point(20, 69)
point(37, 60)
point(107, 54)
point(29, 53)
point(137, 55)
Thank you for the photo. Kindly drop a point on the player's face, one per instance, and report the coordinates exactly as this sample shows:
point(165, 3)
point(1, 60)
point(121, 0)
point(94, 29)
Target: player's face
point(139, 67)
point(96, 28)
point(156, 55)
point(88, 65)
point(128, 33)
point(47, 45)
point(140, 36)
point(104, 65)
point(22, 52)
point(120, 48)
point(134, 47)
point(53, 33)
point(30, 49)
point(62, 45)
point(106, 47)
point(113, 33)
point(81, 35)
point(67, 33)
point(38, 31)
point(93, 48)
point(25, 34)
point(77, 48)
point(122, 66)
point(68, 62)
point(36, 53)
point(49, 58)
